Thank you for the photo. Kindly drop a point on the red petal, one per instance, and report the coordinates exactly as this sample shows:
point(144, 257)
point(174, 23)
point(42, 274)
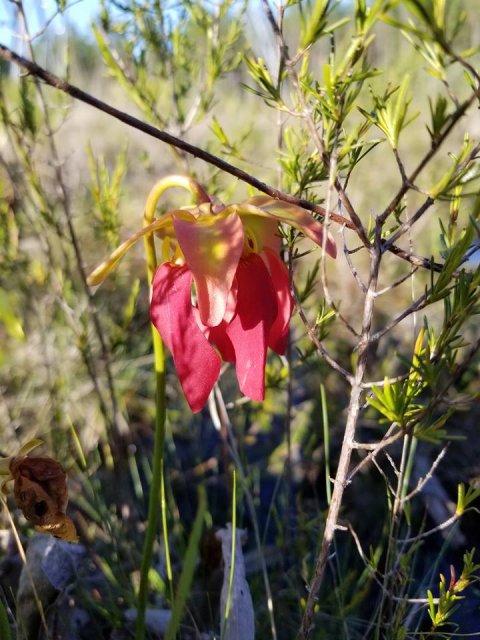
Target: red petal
point(277, 340)
point(171, 312)
point(218, 336)
point(250, 328)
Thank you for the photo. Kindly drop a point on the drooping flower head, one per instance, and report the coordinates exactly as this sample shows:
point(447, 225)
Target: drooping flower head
point(222, 291)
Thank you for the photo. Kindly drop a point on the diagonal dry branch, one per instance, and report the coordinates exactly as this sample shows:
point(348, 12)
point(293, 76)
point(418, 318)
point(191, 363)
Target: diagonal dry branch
point(78, 94)
point(75, 92)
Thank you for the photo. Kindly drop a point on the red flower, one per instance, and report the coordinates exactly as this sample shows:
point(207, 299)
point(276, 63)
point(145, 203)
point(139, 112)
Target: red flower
point(230, 260)
point(260, 319)
point(222, 292)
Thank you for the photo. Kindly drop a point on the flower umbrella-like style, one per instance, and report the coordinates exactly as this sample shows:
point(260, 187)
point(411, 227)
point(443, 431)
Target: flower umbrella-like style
point(222, 291)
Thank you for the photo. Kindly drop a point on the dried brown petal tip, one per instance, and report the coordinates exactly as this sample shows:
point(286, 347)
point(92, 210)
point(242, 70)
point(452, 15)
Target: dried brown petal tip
point(61, 527)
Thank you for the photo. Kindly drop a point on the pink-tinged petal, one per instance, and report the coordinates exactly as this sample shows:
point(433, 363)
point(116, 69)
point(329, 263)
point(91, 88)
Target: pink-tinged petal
point(212, 246)
point(277, 340)
point(171, 312)
point(250, 328)
point(290, 214)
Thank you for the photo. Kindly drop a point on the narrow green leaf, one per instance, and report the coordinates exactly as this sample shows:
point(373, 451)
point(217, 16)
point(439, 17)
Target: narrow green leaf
point(218, 131)
point(314, 24)
point(186, 578)
point(5, 633)
point(460, 499)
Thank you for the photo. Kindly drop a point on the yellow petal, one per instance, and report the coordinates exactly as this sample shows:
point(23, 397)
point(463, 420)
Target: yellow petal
point(290, 214)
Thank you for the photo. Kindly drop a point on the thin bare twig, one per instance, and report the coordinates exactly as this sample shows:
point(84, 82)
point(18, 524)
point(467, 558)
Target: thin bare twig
point(354, 217)
point(277, 26)
point(319, 346)
point(381, 383)
point(323, 265)
point(352, 267)
point(417, 305)
point(462, 61)
point(373, 574)
point(441, 527)
point(376, 464)
point(423, 481)
point(417, 261)
point(375, 447)
point(398, 282)
point(401, 168)
point(21, 552)
point(329, 163)
point(408, 224)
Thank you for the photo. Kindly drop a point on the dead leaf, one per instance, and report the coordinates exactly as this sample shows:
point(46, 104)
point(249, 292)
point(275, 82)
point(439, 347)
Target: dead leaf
point(40, 491)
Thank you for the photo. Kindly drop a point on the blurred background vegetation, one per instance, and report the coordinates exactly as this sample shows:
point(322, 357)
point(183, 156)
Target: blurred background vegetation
point(76, 364)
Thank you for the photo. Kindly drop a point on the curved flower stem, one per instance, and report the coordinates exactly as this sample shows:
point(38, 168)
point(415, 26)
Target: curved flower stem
point(159, 364)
